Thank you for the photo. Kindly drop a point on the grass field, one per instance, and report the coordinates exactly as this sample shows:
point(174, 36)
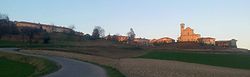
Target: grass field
point(93, 47)
point(15, 65)
point(6, 43)
point(112, 72)
point(241, 61)
point(11, 68)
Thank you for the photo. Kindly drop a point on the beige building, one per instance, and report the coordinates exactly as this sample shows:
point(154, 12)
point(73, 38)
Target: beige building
point(120, 38)
point(163, 40)
point(187, 34)
point(207, 40)
point(141, 41)
point(47, 28)
point(27, 24)
point(227, 43)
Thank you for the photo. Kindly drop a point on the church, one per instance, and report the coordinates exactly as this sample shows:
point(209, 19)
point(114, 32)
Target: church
point(188, 35)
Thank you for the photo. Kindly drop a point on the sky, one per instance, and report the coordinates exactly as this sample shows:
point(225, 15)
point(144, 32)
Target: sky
point(221, 19)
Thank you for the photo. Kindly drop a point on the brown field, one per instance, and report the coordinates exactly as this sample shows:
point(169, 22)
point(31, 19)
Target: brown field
point(163, 68)
point(152, 68)
point(102, 48)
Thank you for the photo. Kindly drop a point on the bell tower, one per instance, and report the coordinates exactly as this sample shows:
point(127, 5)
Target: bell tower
point(182, 27)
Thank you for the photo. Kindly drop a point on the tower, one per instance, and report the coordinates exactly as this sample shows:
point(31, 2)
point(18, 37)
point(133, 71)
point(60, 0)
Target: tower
point(182, 27)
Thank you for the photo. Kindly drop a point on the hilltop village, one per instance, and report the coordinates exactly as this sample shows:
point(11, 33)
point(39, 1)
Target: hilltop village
point(187, 38)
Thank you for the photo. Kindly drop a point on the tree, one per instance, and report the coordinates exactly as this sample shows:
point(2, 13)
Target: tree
point(95, 34)
point(87, 37)
point(4, 17)
point(46, 38)
point(131, 35)
point(98, 32)
point(102, 32)
point(30, 32)
point(71, 27)
point(7, 27)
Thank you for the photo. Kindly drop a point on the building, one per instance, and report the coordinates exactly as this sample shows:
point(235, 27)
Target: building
point(108, 37)
point(162, 40)
point(187, 34)
point(120, 38)
point(153, 41)
point(141, 41)
point(207, 40)
point(79, 33)
point(47, 28)
point(227, 43)
point(27, 24)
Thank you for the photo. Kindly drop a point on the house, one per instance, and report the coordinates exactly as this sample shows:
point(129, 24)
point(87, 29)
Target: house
point(120, 38)
point(207, 40)
point(162, 40)
point(227, 43)
point(141, 41)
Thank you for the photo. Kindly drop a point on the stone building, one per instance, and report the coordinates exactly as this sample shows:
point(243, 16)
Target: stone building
point(187, 34)
point(79, 33)
point(47, 28)
point(27, 24)
point(207, 40)
point(141, 41)
point(120, 38)
point(227, 43)
point(163, 40)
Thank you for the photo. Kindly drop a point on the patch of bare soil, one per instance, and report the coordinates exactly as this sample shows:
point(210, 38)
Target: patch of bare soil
point(163, 68)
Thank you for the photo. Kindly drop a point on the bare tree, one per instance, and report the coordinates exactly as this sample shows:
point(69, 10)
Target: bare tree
point(4, 17)
point(71, 27)
point(102, 32)
point(98, 32)
point(131, 35)
point(7, 27)
point(95, 34)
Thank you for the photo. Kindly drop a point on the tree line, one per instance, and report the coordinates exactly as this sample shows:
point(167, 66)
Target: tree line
point(99, 33)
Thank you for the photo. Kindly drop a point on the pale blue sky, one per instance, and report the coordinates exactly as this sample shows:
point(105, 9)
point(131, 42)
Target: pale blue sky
point(222, 19)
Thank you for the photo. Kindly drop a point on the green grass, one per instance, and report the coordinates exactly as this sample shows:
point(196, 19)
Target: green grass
point(241, 61)
point(20, 44)
point(130, 48)
point(112, 72)
point(40, 66)
point(11, 68)
point(6, 43)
